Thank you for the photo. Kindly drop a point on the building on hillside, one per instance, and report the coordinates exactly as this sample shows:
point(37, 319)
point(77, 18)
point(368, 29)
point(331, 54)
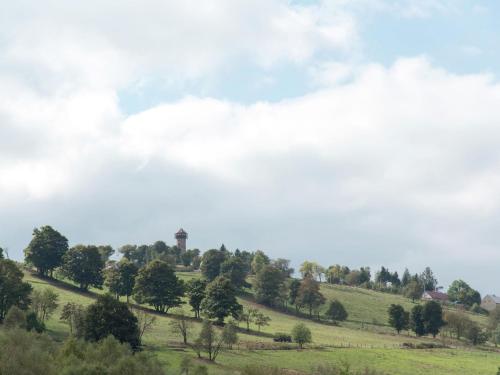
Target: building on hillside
point(490, 302)
point(181, 237)
point(435, 296)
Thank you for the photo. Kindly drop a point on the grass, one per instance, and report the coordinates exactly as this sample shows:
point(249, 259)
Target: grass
point(361, 344)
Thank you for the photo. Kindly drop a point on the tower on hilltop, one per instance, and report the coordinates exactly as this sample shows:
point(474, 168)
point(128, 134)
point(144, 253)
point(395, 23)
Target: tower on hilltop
point(181, 237)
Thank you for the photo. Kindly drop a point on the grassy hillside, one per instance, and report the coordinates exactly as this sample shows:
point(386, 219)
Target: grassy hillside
point(373, 345)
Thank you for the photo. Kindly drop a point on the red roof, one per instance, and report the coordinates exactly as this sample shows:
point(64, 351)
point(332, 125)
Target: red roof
point(437, 296)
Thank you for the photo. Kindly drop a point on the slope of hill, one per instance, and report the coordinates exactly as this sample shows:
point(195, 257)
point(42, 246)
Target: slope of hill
point(373, 345)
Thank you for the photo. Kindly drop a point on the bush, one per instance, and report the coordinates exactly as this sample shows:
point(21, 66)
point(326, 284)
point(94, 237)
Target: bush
point(282, 337)
point(301, 334)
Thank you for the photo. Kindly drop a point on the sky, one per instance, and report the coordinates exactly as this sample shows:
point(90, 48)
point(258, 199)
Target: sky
point(356, 132)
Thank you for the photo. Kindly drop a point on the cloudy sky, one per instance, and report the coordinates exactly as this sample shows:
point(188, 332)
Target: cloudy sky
point(360, 132)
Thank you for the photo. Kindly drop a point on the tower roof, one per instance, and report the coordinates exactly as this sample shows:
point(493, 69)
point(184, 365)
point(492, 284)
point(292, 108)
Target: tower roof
point(181, 231)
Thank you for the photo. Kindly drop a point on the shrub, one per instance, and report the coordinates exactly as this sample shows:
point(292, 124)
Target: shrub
point(282, 337)
point(301, 334)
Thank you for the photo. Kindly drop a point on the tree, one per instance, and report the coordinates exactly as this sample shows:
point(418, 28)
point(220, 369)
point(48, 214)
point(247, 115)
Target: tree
point(211, 263)
point(13, 291)
point(457, 323)
point(413, 290)
point(301, 334)
point(398, 318)
point(417, 320)
point(230, 335)
point(336, 311)
point(432, 314)
point(337, 274)
point(44, 303)
point(247, 315)
point(46, 249)
point(259, 261)
point(307, 269)
point(15, 318)
point(405, 280)
point(195, 290)
point(157, 285)
point(209, 340)
point(1, 253)
point(475, 334)
point(309, 294)
point(495, 336)
point(145, 321)
point(284, 266)
point(293, 292)
point(33, 324)
point(83, 265)
point(494, 319)
point(234, 269)
point(74, 315)
point(120, 279)
point(459, 291)
point(181, 325)
point(220, 300)
point(261, 320)
point(107, 316)
point(429, 282)
point(106, 251)
point(268, 284)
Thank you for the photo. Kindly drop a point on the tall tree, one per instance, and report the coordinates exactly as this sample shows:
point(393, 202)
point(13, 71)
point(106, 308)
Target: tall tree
point(259, 261)
point(44, 303)
point(195, 290)
point(267, 285)
point(106, 317)
point(336, 311)
point(13, 291)
point(307, 269)
point(261, 320)
point(309, 294)
point(284, 266)
point(459, 291)
point(433, 317)
point(157, 285)
point(428, 280)
point(211, 263)
point(405, 280)
point(417, 323)
point(46, 249)
point(413, 290)
point(399, 319)
point(84, 265)
point(106, 251)
point(301, 334)
point(234, 269)
point(209, 340)
point(181, 325)
point(220, 300)
point(120, 278)
point(294, 292)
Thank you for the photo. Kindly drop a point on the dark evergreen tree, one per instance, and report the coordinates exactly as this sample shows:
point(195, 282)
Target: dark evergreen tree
point(433, 317)
point(417, 320)
point(398, 318)
point(195, 289)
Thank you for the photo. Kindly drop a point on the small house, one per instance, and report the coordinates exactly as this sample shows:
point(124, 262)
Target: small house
point(435, 296)
point(490, 302)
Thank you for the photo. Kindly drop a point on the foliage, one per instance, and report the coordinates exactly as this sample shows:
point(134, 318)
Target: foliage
point(195, 290)
point(459, 291)
point(417, 323)
point(120, 278)
point(457, 323)
point(209, 341)
point(13, 291)
point(220, 300)
point(309, 294)
point(230, 335)
point(301, 334)
point(106, 251)
point(15, 318)
point(399, 319)
point(429, 282)
point(433, 317)
point(145, 321)
point(107, 316)
point(46, 250)
point(284, 266)
point(259, 261)
point(33, 323)
point(211, 263)
point(234, 269)
point(336, 311)
point(268, 285)
point(337, 274)
point(181, 325)
point(44, 303)
point(413, 290)
point(475, 334)
point(260, 320)
point(247, 315)
point(83, 265)
point(157, 285)
point(74, 315)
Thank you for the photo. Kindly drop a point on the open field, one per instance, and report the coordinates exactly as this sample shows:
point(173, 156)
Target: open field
point(373, 345)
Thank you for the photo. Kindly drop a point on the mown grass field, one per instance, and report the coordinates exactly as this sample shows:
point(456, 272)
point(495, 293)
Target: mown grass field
point(357, 342)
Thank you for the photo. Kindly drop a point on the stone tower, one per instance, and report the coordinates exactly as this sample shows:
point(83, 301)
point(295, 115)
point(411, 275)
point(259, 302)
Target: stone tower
point(181, 237)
